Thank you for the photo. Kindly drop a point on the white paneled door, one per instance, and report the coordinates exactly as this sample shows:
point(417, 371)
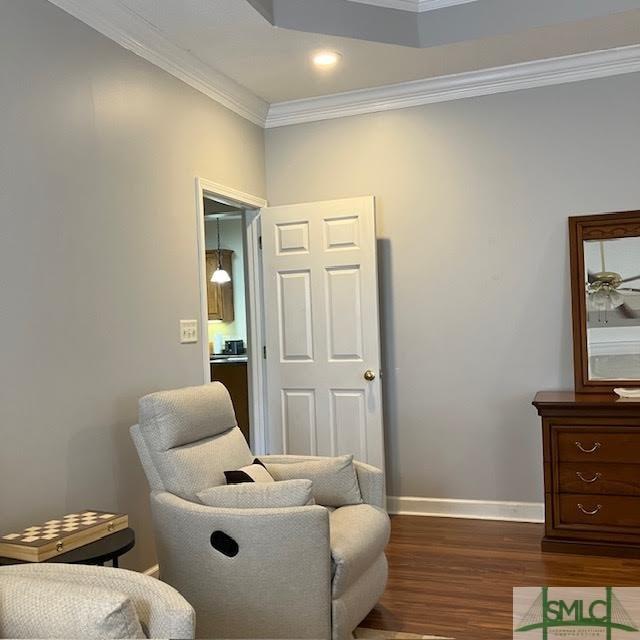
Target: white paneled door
point(322, 330)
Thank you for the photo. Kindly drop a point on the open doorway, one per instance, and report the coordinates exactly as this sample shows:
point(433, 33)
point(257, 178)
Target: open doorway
point(231, 308)
point(226, 333)
point(313, 370)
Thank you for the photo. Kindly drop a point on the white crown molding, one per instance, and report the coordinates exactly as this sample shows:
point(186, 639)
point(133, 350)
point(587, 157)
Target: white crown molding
point(471, 509)
point(527, 75)
point(417, 6)
point(431, 5)
point(131, 31)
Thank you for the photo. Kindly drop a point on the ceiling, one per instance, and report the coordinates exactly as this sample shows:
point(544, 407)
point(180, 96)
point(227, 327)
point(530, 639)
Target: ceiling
point(413, 5)
point(213, 207)
point(275, 64)
point(236, 44)
point(440, 22)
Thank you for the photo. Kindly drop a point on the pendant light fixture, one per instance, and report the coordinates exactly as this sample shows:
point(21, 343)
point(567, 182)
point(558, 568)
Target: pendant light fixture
point(220, 276)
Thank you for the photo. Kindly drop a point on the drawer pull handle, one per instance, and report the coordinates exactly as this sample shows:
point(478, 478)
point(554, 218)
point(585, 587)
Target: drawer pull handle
point(596, 476)
point(592, 512)
point(596, 445)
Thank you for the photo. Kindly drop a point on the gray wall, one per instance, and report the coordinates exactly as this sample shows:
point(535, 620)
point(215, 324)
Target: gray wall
point(472, 205)
point(98, 155)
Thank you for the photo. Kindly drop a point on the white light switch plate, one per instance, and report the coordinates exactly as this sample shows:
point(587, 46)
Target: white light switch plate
point(188, 331)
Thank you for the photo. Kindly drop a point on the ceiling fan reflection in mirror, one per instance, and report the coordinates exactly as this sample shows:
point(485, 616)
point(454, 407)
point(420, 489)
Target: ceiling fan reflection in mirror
point(605, 293)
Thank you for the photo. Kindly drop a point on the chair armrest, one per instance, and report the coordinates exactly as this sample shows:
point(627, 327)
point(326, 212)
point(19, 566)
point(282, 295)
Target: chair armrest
point(370, 478)
point(277, 585)
point(160, 608)
point(371, 481)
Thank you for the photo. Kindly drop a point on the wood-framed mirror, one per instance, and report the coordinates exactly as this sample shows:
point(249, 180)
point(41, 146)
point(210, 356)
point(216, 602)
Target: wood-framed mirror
point(605, 293)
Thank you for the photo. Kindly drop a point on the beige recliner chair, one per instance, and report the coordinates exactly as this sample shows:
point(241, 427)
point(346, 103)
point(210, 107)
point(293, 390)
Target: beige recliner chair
point(51, 600)
point(299, 572)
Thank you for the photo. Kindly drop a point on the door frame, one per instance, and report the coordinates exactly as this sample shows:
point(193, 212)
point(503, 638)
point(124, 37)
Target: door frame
point(253, 283)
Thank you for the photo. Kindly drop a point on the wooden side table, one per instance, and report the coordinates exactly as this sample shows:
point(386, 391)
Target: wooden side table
point(107, 549)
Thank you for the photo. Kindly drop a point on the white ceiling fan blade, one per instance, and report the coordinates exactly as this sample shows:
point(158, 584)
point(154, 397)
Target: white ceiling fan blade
point(629, 312)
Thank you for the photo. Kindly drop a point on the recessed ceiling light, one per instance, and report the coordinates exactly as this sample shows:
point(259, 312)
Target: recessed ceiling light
point(325, 59)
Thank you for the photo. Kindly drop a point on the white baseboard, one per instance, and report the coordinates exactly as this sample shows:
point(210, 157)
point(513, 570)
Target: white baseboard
point(154, 571)
point(472, 509)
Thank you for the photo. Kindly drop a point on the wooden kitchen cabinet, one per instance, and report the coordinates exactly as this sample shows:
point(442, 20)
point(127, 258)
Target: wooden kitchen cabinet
point(220, 296)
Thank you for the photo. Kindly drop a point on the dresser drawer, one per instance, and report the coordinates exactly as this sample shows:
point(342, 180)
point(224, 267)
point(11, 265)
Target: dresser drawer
point(597, 436)
point(598, 446)
point(599, 478)
point(599, 511)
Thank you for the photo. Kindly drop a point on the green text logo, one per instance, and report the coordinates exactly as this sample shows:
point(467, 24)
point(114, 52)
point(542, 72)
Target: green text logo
point(604, 612)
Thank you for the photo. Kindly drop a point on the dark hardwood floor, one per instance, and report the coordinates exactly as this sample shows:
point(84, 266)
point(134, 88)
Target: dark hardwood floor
point(453, 577)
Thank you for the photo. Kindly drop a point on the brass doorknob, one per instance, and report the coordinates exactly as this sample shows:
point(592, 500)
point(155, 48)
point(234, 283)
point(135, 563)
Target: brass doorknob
point(369, 375)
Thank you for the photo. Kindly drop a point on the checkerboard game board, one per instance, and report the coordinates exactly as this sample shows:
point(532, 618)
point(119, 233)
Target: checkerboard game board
point(63, 534)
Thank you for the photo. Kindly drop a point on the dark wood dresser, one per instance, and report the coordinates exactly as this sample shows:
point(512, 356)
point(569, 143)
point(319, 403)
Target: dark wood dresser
point(591, 448)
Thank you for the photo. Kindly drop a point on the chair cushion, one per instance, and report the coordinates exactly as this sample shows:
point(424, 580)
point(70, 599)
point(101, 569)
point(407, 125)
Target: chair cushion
point(178, 417)
point(255, 472)
point(37, 608)
point(258, 495)
point(335, 482)
point(358, 535)
point(191, 437)
point(187, 470)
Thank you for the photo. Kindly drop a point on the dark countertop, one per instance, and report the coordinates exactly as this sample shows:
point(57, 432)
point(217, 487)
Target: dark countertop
point(228, 359)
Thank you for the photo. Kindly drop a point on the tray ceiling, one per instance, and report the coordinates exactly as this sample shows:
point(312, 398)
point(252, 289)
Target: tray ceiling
point(416, 6)
point(275, 63)
point(229, 51)
point(431, 23)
